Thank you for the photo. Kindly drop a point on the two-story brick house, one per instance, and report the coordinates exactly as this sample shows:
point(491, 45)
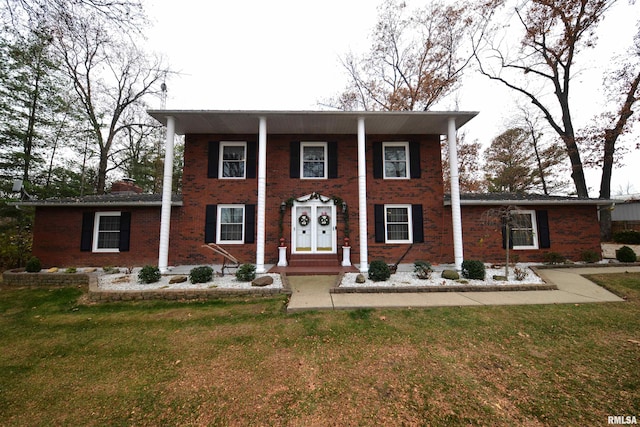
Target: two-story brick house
point(319, 183)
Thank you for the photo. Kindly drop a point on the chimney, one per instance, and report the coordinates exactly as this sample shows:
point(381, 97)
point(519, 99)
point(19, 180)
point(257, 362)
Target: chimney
point(125, 186)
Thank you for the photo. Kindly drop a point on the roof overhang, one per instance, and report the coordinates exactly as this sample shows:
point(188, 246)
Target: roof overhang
point(536, 201)
point(107, 201)
point(312, 122)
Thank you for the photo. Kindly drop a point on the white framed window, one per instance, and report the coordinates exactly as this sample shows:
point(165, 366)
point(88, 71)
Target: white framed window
point(397, 224)
point(524, 229)
point(106, 232)
point(230, 224)
point(395, 158)
point(233, 160)
point(313, 160)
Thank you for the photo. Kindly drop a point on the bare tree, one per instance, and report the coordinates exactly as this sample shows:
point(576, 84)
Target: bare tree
point(415, 59)
point(110, 77)
point(469, 166)
point(554, 32)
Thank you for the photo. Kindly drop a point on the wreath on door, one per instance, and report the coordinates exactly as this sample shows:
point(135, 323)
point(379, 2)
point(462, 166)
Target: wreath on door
point(324, 219)
point(303, 220)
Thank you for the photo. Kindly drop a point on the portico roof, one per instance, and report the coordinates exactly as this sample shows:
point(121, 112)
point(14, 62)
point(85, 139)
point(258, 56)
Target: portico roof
point(312, 122)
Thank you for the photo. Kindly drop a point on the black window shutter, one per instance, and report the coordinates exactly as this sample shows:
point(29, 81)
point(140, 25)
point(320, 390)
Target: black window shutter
point(414, 159)
point(417, 223)
point(86, 236)
point(294, 162)
point(125, 231)
point(542, 219)
point(377, 160)
point(249, 223)
point(210, 224)
point(252, 154)
point(504, 235)
point(378, 215)
point(213, 157)
point(332, 152)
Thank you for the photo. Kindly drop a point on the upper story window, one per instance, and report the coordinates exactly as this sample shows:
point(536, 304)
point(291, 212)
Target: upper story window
point(313, 160)
point(396, 160)
point(524, 229)
point(106, 232)
point(233, 158)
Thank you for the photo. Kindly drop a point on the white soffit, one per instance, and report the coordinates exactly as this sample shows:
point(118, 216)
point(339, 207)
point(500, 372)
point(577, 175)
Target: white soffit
point(312, 122)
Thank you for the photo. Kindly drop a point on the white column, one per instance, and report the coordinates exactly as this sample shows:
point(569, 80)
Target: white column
point(455, 196)
point(165, 216)
point(362, 197)
point(262, 195)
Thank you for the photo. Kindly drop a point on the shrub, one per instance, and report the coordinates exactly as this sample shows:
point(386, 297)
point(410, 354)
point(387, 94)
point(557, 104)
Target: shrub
point(626, 254)
point(111, 270)
point(201, 274)
point(33, 265)
point(520, 273)
point(590, 256)
point(627, 237)
point(246, 273)
point(379, 271)
point(422, 269)
point(554, 258)
point(71, 270)
point(473, 270)
point(149, 274)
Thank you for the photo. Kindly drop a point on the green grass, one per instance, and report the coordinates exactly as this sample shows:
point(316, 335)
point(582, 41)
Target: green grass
point(246, 362)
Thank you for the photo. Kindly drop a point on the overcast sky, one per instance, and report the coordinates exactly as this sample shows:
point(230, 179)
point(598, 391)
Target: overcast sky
point(284, 55)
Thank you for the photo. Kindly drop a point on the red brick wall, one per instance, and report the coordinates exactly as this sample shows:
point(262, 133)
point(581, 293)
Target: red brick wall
point(57, 233)
point(572, 230)
point(200, 191)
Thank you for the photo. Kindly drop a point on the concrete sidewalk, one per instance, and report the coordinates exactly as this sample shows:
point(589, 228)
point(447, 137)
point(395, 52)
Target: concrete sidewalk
point(312, 293)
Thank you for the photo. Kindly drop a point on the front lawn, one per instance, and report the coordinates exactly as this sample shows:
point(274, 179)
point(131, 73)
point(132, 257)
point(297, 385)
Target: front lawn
point(245, 362)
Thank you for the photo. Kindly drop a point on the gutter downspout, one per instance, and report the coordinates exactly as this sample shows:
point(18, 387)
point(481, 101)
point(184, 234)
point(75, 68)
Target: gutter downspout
point(262, 195)
point(165, 217)
point(362, 197)
point(456, 216)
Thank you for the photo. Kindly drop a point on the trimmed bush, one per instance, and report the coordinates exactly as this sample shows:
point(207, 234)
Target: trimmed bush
point(627, 237)
point(33, 265)
point(149, 274)
point(554, 258)
point(590, 256)
point(71, 270)
point(626, 254)
point(473, 270)
point(246, 273)
point(379, 271)
point(201, 274)
point(450, 275)
point(422, 269)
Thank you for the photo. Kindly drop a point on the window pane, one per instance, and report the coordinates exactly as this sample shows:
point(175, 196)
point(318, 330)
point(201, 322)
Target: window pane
point(313, 153)
point(395, 153)
point(233, 161)
point(313, 170)
point(233, 153)
point(231, 232)
point(397, 215)
point(395, 162)
point(522, 238)
point(397, 232)
point(108, 240)
point(109, 223)
point(231, 215)
point(522, 221)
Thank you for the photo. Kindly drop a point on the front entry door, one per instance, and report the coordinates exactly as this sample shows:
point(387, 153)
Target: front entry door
point(314, 228)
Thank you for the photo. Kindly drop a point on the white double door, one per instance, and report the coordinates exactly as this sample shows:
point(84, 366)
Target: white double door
point(313, 228)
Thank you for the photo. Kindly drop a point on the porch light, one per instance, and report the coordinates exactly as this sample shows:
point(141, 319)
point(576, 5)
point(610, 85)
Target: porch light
point(283, 207)
point(344, 207)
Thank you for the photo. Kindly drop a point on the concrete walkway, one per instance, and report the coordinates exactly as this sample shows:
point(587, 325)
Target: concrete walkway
point(312, 293)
